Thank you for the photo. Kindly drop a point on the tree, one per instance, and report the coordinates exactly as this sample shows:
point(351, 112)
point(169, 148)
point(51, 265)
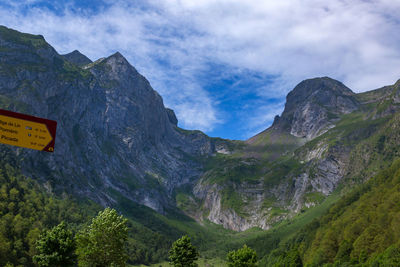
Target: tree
point(243, 257)
point(183, 253)
point(56, 247)
point(103, 242)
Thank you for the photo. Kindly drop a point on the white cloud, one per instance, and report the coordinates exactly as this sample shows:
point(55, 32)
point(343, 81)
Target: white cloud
point(172, 41)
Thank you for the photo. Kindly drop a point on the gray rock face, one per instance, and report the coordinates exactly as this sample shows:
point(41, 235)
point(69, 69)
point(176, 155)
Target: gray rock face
point(313, 105)
point(212, 202)
point(264, 206)
point(228, 217)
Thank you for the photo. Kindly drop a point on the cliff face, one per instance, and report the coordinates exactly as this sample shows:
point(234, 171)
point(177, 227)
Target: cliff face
point(115, 138)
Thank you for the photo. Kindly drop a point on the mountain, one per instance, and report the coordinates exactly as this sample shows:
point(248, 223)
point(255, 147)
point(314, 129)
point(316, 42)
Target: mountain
point(118, 145)
point(313, 106)
point(114, 138)
point(321, 142)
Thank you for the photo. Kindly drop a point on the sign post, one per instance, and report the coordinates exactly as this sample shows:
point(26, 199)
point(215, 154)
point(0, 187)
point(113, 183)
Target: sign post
point(27, 131)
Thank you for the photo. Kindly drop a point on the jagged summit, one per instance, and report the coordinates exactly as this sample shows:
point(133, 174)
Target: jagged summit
point(115, 67)
point(77, 58)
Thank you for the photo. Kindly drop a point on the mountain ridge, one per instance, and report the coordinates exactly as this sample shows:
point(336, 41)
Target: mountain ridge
point(116, 140)
point(108, 109)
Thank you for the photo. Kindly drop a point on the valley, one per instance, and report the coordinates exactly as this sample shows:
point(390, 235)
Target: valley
point(331, 158)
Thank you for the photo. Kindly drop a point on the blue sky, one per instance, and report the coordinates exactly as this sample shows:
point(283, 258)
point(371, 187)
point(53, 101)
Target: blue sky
point(225, 66)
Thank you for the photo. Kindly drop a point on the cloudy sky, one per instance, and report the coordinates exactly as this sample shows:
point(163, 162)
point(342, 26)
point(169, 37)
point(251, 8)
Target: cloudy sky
point(225, 66)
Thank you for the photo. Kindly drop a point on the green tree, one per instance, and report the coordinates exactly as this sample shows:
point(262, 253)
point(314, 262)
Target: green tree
point(243, 257)
point(183, 253)
point(103, 242)
point(56, 247)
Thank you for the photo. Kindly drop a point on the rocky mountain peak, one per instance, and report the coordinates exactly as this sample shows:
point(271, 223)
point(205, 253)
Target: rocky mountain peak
point(317, 89)
point(313, 106)
point(115, 68)
point(77, 58)
point(119, 65)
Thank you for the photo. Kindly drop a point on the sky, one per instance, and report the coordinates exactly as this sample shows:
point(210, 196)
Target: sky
point(225, 66)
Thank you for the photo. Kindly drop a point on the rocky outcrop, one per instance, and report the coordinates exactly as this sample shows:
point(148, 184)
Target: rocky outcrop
point(314, 105)
point(228, 217)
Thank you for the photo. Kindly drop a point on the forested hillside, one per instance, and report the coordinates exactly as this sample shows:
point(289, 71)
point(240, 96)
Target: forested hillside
point(362, 228)
point(26, 209)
